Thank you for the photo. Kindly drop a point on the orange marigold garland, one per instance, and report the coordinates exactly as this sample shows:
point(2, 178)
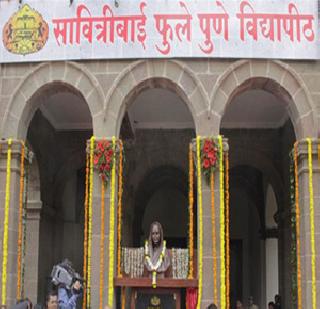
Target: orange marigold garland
point(227, 230)
point(120, 190)
point(191, 201)
point(296, 182)
point(85, 242)
point(102, 230)
point(92, 141)
point(123, 297)
point(214, 242)
point(20, 223)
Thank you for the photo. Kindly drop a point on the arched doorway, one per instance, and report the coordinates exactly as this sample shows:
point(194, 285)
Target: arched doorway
point(157, 129)
point(257, 123)
point(57, 133)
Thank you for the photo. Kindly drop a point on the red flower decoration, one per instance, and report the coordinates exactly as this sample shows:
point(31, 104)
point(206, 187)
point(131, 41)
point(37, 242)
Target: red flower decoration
point(209, 156)
point(206, 163)
point(103, 159)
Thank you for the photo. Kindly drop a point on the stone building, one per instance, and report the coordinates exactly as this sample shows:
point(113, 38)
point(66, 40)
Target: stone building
point(157, 106)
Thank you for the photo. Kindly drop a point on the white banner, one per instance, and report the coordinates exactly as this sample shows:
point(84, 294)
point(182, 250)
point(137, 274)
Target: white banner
point(40, 30)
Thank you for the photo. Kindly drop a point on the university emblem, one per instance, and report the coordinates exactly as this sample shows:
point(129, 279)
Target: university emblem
point(26, 32)
point(155, 301)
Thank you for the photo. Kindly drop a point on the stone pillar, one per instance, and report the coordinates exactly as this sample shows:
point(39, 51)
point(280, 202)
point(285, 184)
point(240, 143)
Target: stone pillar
point(96, 237)
point(208, 282)
point(32, 250)
point(305, 226)
point(13, 216)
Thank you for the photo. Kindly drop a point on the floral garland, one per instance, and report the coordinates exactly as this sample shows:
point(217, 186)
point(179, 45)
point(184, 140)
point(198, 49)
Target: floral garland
point(103, 158)
point(6, 228)
point(20, 223)
point(155, 267)
point(299, 294)
point(214, 240)
point(200, 222)
point(293, 250)
point(111, 226)
point(102, 229)
point(209, 156)
point(24, 218)
point(123, 297)
point(312, 229)
point(227, 231)
point(85, 242)
point(120, 191)
point(92, 140)
point(222, 232)
point(191, 201)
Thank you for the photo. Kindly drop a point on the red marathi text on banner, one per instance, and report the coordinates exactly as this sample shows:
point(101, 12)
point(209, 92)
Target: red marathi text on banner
point(178, 27)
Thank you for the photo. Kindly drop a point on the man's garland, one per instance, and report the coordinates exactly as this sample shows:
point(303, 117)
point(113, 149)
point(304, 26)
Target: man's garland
point(155, 267)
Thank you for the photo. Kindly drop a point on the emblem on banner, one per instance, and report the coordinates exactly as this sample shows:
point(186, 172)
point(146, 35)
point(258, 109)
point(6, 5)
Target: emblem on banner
point(26, 32)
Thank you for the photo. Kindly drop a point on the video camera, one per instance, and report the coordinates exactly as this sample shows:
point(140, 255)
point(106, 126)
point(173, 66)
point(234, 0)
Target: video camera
point(64, 274)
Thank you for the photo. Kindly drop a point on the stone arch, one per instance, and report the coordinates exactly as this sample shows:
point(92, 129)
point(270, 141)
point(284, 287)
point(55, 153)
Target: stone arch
point(275, 77)
point(25, 100)
point(141, 75)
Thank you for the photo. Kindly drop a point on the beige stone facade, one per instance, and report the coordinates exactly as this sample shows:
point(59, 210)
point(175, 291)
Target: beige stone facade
point(207, 87)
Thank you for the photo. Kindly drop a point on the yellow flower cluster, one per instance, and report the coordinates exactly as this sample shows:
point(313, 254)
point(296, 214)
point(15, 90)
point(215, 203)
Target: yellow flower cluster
point(222, 231)
point(200, 222)
point(6, 228)
point(227, 231)
point(312, 231)
point(111, 227)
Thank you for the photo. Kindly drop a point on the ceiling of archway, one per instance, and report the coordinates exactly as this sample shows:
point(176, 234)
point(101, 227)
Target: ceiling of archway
point(160, 108)
point(66, 111)
point(255, 109)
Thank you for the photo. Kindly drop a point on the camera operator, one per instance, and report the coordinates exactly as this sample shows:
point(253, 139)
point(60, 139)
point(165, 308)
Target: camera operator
point(67, 298)
point(69, 284)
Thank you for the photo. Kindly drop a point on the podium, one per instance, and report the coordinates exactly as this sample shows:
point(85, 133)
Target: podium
point(167, 294)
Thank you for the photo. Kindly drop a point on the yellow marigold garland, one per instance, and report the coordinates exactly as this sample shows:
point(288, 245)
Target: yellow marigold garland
point(191, 201)
point(296, 182)
point(227, 231)
point(111, 227)
point(214, 240)
point(312, 231)
point(102, 229)
point(6, 228)
point(222, 231)
point(85, 241)
point(92, 140)
point(200, 223)
point(120, 190)
point(19, 257)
